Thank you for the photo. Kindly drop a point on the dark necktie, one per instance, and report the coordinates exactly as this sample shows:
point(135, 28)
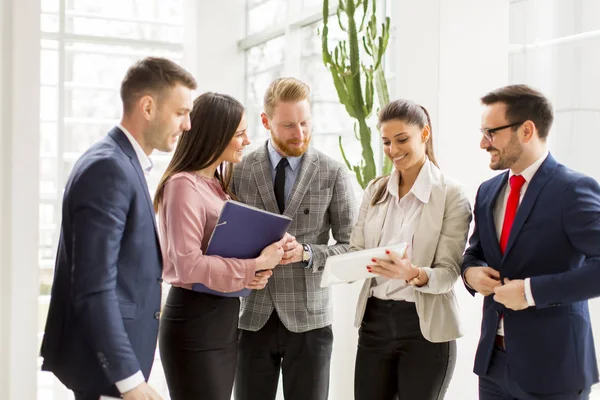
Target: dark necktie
point(280, 184)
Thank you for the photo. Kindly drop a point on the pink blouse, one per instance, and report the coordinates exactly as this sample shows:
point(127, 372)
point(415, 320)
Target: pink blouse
point(187, 217)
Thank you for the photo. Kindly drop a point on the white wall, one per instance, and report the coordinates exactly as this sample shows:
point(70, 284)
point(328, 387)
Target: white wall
point(216, 62)
point(19, 183)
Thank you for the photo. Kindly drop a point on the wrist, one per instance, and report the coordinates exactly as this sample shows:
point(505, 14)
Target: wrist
point(416, 273)
point(260, 262)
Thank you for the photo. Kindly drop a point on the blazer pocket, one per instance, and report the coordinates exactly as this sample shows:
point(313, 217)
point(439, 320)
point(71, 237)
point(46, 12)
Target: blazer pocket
point(128, 310)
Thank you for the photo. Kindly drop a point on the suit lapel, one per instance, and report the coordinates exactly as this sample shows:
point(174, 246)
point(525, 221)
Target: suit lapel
point(491, 234)
point(308, 169)
point(426, 237)
point(261, 170)
point(539, 180)
point(120, 138)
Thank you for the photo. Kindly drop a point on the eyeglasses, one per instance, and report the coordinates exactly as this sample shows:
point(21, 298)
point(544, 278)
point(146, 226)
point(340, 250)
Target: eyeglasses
point(489, 133)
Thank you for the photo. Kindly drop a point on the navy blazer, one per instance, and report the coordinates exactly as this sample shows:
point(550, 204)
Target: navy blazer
point(555, 241)
point(104, 308)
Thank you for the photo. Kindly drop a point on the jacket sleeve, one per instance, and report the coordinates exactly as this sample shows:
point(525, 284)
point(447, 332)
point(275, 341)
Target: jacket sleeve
point(473, 256)
point(342, 214)
point(99, 204)
point(453, 237)
point(581, 219)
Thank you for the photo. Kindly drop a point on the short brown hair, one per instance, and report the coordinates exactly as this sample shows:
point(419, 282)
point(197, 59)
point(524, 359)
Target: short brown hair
point(524, 103)
point(152, 75)
point(282, 90)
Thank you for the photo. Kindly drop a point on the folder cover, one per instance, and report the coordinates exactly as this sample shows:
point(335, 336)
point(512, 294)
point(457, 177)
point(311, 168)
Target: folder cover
point(352, 266)
point(243, 231)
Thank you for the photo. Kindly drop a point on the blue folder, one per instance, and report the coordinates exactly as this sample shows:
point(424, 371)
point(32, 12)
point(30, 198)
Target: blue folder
point(243, 232)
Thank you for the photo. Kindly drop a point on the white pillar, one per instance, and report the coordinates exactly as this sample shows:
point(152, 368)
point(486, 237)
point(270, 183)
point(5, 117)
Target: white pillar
point(215, 60)
point(447, 55)
point(19, 197)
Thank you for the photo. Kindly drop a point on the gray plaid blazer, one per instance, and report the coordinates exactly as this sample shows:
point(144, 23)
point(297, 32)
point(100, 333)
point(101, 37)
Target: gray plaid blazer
point(321, 200)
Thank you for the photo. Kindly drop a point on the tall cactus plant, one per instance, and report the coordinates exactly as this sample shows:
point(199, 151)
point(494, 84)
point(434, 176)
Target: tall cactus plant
point(355, 81)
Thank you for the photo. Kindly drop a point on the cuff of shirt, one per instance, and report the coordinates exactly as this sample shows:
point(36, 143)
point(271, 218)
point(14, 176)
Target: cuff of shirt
point(130, 383)
point(528, 294)
point(465, 280)
point(310, 259)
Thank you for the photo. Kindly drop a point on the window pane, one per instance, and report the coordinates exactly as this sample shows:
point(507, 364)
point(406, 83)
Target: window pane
point(49, 23)
point(48, 103)
point(540, 20)
point(314, 3)
point(167, 11)
point(106, 27)
point(104, 65)
point(49, 67)
point(266, 15)
point(256, 85)
point(92, 104)
point(265, 56)
point(47, 245)
point(80, 135)
point(48, 177)
point(50, 5)
point(48, 138)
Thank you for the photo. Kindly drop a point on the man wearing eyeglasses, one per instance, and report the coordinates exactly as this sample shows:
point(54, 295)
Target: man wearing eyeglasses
point(535, 257)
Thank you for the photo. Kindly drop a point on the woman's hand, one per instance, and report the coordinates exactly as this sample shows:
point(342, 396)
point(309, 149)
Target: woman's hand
point(397, 268)
point(260, 280)
point(270, 256)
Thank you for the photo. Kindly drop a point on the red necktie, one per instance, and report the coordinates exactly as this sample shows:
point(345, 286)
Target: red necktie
point(516, 183)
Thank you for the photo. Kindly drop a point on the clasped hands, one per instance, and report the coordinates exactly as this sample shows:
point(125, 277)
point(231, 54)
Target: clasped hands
point(486, 281)
point(285, 251)
point(398, 268)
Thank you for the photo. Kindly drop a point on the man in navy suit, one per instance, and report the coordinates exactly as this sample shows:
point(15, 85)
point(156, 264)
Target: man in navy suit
point(535, 256)
point(102, 325)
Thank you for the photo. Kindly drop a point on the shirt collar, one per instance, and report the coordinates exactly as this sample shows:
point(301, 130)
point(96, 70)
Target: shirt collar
point(530, 171)
point(144, 160)
point(421, 189)
point(275, 157)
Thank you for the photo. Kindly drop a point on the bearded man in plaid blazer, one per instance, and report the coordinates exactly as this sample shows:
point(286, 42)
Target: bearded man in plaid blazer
point(287, 325)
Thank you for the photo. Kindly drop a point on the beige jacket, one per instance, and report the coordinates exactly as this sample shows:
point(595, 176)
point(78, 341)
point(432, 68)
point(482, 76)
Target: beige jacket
point(438, 246)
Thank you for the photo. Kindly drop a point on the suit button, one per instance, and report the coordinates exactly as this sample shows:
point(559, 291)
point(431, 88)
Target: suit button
point(160, 281)
point(157, 315)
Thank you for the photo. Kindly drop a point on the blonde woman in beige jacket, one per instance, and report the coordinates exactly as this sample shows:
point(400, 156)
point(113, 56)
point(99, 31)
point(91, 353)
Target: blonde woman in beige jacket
point(408, 315)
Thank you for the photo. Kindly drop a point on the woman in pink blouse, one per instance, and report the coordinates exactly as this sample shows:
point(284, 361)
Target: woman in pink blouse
point(198, 331)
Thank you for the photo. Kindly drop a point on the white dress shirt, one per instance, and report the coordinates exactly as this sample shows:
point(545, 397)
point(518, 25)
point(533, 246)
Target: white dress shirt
point(136, 379)
point(143, 158)
point(500, 210)
point(401, 222)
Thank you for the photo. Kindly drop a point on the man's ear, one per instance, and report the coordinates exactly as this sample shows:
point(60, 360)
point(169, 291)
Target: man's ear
point(528, 129)
point(265, 121)
point(147, 106)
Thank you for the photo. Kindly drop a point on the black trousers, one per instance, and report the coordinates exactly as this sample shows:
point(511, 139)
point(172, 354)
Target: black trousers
point(198, 342)
point(304, 359)
point(497, 385)
point(395, 361)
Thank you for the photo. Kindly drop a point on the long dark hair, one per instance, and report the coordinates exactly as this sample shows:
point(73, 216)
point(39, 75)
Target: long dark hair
point(214, 119)
point(413, 114)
